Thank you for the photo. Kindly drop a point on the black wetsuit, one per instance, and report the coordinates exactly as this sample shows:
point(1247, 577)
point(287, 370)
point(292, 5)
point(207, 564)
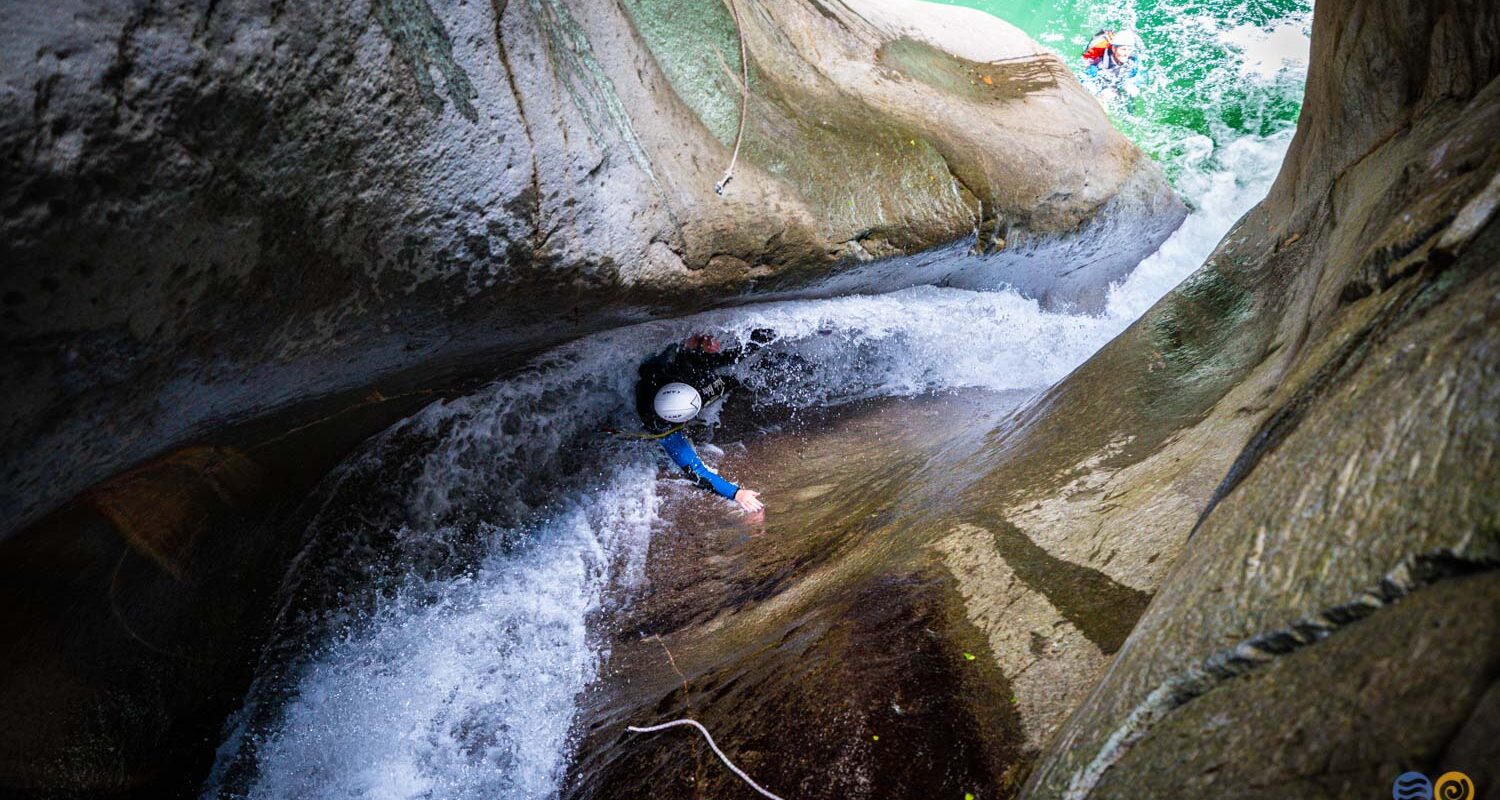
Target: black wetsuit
point(701, 371)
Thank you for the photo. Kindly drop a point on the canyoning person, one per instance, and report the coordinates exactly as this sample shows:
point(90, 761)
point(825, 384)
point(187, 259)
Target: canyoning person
point(675, 386)
point(1114, 63)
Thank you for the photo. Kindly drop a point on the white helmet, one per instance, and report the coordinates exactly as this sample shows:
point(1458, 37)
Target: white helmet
point(1126, 39)
point(677, 403)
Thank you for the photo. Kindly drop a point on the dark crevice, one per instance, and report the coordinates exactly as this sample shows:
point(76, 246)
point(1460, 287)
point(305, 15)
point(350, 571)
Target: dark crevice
point(119, 69)
point(500, 7)
point(1485, 707)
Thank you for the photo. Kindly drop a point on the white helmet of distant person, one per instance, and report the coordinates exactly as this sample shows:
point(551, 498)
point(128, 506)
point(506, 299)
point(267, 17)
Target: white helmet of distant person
point(1126, 39)
point(677, 403)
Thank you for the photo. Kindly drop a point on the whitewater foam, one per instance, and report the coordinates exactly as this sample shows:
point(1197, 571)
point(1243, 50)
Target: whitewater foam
point(438, 626)
point(1266, 52)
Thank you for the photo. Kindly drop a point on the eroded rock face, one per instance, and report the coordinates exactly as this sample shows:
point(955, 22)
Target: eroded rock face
point(1415, 676)
point(213, 214)
point(1294, 452)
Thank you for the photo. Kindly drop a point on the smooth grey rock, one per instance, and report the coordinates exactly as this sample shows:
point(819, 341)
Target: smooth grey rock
point(213, 214)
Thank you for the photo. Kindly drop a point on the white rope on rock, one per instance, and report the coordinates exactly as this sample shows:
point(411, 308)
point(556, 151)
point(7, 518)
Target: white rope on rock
point(744, 100)
point(720, 753)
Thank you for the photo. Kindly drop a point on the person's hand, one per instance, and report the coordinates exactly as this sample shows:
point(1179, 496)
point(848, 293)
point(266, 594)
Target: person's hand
point(704, 343)
point(749, 499)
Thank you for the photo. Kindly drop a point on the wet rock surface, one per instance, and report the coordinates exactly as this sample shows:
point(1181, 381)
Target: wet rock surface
point(122, 671)
point(241, 212)
point(1286, 470)
point(826, 649)
point(241, 237)
point(1294, 452)
point(1301, 726)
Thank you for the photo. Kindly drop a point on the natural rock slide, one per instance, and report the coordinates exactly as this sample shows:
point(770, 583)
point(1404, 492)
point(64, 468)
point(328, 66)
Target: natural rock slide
point(243, 236)
point(239, 209)
point(1248, 549)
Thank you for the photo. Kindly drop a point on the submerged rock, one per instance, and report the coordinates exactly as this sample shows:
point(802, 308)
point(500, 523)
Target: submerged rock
point(258, 212)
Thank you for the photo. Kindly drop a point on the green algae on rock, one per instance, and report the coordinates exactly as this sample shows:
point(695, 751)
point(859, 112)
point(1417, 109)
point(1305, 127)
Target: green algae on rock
point(308, 202)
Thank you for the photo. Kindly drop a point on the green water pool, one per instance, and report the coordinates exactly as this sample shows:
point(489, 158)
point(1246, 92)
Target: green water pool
point(1219, 70)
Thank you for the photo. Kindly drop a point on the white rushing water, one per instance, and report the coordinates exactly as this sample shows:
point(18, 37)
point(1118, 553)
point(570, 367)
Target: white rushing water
point(438, 626)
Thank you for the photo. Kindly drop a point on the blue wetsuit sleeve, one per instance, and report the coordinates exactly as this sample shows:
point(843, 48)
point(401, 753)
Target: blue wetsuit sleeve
point(683, 455)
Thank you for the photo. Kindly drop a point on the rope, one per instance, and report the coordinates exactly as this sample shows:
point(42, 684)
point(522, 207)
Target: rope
point(673, 662)
point(744, 100)
point(645, 436)
point(720, 753)
point(114, 608)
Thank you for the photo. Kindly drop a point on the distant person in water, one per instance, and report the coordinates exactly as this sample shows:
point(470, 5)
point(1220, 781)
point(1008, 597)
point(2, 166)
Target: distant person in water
point(1114, 62)
point(675, 385)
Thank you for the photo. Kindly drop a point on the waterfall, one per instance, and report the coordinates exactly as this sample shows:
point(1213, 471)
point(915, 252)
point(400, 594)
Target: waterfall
point(444, 614)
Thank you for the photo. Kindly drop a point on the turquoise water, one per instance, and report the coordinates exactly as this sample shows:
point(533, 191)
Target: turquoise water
point(1219, 70)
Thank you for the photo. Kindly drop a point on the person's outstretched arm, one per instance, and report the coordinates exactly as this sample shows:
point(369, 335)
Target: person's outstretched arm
point(684, 456)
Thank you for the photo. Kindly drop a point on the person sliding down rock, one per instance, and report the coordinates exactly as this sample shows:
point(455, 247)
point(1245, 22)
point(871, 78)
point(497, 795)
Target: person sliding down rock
point(678, 383)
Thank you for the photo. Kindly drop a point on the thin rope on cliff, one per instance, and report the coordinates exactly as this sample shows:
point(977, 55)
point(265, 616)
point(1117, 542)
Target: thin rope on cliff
point(720, 753)
point(744, 99)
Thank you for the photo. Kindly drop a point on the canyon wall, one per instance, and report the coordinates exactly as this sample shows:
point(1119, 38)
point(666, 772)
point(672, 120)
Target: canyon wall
point(239, 237)
point(1295, 454)
point(253, 212)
